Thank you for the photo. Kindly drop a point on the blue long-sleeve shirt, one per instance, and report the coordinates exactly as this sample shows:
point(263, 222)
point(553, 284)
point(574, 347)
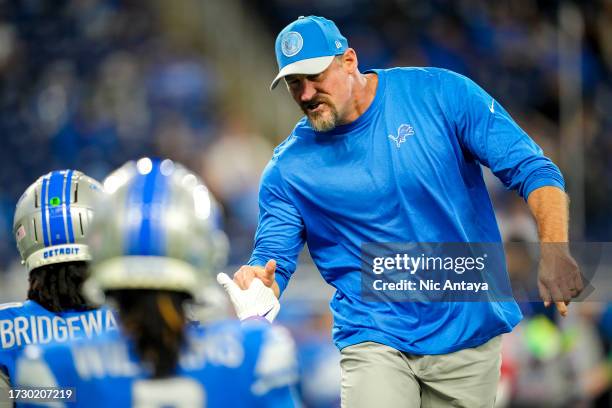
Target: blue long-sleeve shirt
point(407, 170)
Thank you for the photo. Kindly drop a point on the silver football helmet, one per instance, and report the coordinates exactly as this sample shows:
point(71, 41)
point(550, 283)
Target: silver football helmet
point(53, 217)
point(157, 228)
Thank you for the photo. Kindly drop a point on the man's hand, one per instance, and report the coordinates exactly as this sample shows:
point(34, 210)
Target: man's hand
point(559, 277)
point(245, 275)
point(257, 300)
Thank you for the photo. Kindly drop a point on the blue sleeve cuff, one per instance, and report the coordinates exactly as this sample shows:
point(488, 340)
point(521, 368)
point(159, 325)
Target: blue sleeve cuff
point(282, 283)
point(538, 182)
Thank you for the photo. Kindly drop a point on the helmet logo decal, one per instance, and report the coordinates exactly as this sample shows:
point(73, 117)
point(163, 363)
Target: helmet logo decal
point(49, 253)
point(55, 201)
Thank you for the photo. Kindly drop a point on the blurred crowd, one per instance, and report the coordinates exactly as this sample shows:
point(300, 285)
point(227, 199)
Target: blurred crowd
point(89, 84)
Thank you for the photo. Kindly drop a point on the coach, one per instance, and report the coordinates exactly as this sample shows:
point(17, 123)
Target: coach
point(394, 155)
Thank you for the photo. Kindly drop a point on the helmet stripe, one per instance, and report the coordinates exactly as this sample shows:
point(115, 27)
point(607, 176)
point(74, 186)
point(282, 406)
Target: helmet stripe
point(144, 235)
point(145, 238)
point(133, 219)
point(67, 201)
point(157, 228)
point(56, 208)
point(43, 209)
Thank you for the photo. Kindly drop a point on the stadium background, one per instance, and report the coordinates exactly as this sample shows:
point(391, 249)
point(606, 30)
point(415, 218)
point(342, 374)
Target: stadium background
point(90, 84)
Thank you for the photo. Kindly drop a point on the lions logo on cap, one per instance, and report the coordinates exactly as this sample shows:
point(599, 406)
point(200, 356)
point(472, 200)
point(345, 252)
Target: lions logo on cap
point(292, 43)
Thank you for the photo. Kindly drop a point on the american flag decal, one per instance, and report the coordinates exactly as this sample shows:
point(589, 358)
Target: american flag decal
point(20, 234)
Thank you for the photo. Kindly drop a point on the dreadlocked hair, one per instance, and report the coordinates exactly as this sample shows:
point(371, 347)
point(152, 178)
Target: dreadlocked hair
point(57, 287)
point(155, 321)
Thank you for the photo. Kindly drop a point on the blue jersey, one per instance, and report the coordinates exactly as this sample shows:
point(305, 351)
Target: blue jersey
point(222, 365)
point(407, 170)
point(26, 323)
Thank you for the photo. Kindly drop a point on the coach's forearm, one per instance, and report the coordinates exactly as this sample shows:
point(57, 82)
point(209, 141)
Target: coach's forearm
point(550, 208)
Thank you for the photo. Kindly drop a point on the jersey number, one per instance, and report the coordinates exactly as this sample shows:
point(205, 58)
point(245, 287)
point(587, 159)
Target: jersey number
point(173, 392)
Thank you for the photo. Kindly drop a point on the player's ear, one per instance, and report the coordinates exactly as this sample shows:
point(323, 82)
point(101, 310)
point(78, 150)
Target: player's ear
point(349, 60)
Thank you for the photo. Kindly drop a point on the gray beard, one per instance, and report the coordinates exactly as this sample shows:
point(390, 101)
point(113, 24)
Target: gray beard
point(323, 125)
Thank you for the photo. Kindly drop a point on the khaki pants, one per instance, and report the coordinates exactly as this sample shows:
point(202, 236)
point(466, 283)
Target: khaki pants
point(375, 375)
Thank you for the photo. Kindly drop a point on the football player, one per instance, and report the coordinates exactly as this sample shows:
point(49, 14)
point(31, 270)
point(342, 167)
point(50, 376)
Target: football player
point(155, 245)
point(51, 224)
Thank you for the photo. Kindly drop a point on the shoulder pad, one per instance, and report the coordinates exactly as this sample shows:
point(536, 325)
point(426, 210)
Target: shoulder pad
point(10, 305)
